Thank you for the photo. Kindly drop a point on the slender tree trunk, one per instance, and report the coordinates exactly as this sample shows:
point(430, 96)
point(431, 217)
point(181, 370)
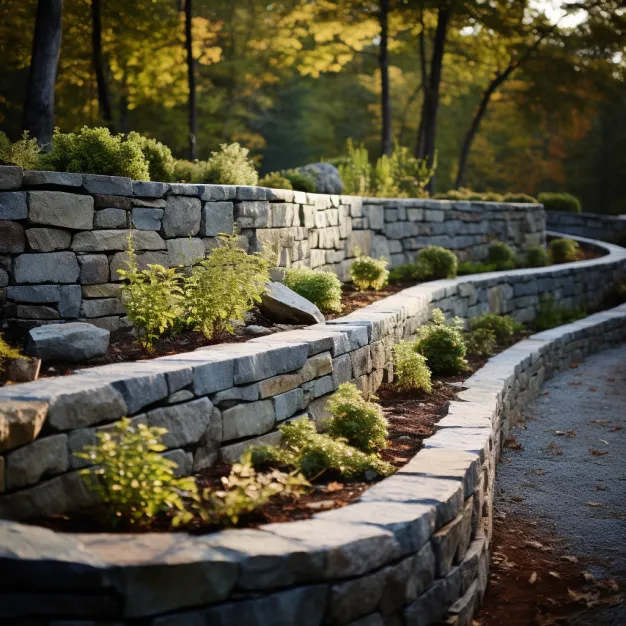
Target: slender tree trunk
point(419, 148)
point(39, 105)
point(104, 101)
point(124, 103)
point(383, 62)
point(191, 74)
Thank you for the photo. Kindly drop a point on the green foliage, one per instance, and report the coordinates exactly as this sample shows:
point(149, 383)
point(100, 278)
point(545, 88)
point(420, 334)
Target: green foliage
point(383, 180)
point(537, 256)
point(369, 273)
point(560, 202)
point(158, 155)
point(520, 198)
point(275, 180)
point(564, 250)
point(230, 166)
point(410, 368)
point(359, 422)
point(314, 453)
point(133, 480)
point(183, 171)
point(550, 314)
point(400, 273)
point(245, 490)
point(474, 267)
point(442, 344)
point(153, 298)
point(300, 181)
point(225, 286)
point(410, 175)
point(356, 171)
point(474, 196)
point(481, 342)
point(24, 152)
point(321, 288)
point(8, 352)
point(503, 327)
point(96, 151)
point(440, 263)
point(501, 255)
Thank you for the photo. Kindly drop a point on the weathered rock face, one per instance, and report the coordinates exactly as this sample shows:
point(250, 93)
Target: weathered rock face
point(51, 267)
point(20, 422)
point(57, 208)
point(74, 342)
point(327, 179)
point(283, 305)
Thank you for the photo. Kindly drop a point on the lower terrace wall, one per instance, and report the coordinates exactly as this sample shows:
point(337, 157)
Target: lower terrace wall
point(593, 225)
point(63, 236)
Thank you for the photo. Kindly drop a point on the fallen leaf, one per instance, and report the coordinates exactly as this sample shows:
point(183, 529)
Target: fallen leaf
point(517, 499)
point(571, 559)
point(600, 421)
point(590, 599)
point(606, 443)
point(322, 504)
point(597, 452)
point(594, 504)
point(600, 487)
point(575, 383)
point(560, 433)
point(539, 472)
point(593, 389)
point(589, 577)
point(534, 544)
point(555, 449)
point(614, 600)
point(334, 486)
point(512, 444)
point(545, 393)
point(533, 578)
point(571, 434)
point(615, 429)
point(555, 574)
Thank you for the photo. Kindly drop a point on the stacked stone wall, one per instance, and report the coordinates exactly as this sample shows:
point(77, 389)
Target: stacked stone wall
point(64, 236)
point(593, 225)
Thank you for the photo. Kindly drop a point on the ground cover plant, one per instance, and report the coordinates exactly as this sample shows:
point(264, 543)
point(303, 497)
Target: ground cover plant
point(321, 288)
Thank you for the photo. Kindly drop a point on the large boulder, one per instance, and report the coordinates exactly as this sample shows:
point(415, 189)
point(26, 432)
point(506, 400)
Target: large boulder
point(327, 179)
point(281, 304)
point(74, 342)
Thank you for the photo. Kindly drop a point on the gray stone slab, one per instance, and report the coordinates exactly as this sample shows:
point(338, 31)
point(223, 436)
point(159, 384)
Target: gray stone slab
point(146, 218)
point(286, 404)
point(115, 185)
point(48, 239)
point(94, 269)
point(111, 218)
point(13, 205)
point(12, 239)
point(246, 420)
point(10, 177)
point(184, 251)
point(217, 217)
point(34, 178)
point(112, 240)
point(51, 267)
point(283, 305)
point(149, 189)
point(34, 293)
point(185, 423)
point(181, 217)
point(70, 301)
point(73, 342)
point(58, 208)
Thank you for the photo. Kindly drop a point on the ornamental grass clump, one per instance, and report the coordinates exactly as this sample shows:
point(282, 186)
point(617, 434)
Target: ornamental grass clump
point(410, 367)
point(564, 250)
point(321, 288)
point(442, 344)
point(361, 423)
point(369, 273)
point(501, 256)
point(224, 286)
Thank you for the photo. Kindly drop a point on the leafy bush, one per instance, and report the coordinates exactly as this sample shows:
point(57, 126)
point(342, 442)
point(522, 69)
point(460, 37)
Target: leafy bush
point(369, 273)
point(442, 344)
point(410, 367)
point(225, 286)
point(501, 255)
point(356, 170)
point(359, 422)
point(537, 256)
point(474, 267)
point(564, 250)
point(481, 342)
point(183, 171)
point(503, 327)
point(520, 198)
point(153, 298)
point(230, 166)
point(437, 262)
point(275, 180)
point(410, 175)
point(321, 288)
point(158, 155)
point(487, 196)
point(96, 151)
point(300, 181)
point(314, 453)
point(560, 202)
point(24, 152)
point(550, 314)
point(400, 272)
point(133, 480)
point(8, 352)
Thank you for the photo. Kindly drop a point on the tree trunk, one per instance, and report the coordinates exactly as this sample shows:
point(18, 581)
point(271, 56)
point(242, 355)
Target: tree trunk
point(104, 101)
point(39, 105)
point(383, 62)
point(191, 74)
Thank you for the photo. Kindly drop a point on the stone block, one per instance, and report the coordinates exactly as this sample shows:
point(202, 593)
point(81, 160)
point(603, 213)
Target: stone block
point(120, 261)
point(380, 247)
point(51, 267)
point(34, 178)
point(375, 214)
point(149, 189)
point(181, 217)
point(183, 460)
point(10, 177)
point(184, 251)
point(34, 294)
point(289, 403)
point(352, 599)
point(111, 218)
point(233, 452)
point(12, 239)
point(13, 205)
point(342, 370)
point(105, 290)
point(186, 423)
point(146, 218)
point(275, 385)
point(58, 208)
point(74, 342)
point(281, 304)
point(69, 302)
point(116, 185)
point(217, 217)
point(113, 240)
point(316, 366)
point(34, 312)
point(252, 214)
point(94, 269)
point(102, 307)
point(20, 422)
point(246, 420)
point(106, 201)
point(48, 239)
point(445, 543)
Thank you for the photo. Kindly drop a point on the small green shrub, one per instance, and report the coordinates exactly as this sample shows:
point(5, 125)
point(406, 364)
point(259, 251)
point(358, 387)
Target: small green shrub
point(356, 171)
point(133, 480)
point(503, 327)
point(24, 152)
point(96, 151)
point(314, 453)
point(321, 288)
point(300, 181)
point(8, 352)
point(520, 198)
point(560, 202)
point(501, 255)
point(564, 250)
point(230, 166)
point(437, 262)
point(537, 256)
point(550, 314)
point(442, 344)
point(410, 368)
point(183, 171)
point(369, 273)
point(400, 273)
point(275, 180)
point(158, 155)
point(487, 196)
point(473, 267)
point(153, 298)
point(361, 423)
point(481, 342)
point(225, 286)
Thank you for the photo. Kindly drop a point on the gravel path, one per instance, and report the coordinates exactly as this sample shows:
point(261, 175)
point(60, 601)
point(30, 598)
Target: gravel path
point(571, 473)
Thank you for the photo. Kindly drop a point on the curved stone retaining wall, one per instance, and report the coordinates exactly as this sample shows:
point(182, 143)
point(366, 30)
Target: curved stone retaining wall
point(218, 400)
point(64, 236)
point(593, 225)
point(413, 551)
